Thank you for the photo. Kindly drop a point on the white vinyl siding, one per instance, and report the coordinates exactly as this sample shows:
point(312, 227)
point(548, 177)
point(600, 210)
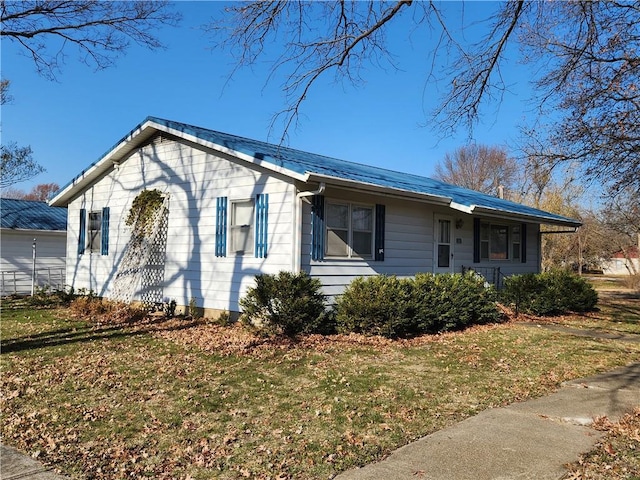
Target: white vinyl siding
point(193, 179)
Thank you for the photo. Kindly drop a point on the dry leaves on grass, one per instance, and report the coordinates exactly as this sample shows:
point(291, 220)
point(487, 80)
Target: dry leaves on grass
point(617, 455)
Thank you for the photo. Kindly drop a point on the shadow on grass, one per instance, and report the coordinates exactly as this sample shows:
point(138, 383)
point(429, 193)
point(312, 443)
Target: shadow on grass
point(91, 333)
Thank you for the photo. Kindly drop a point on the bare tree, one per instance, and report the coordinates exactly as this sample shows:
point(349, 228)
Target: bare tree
point(100, 31)
point(16, 163)
point(479, 167)
point(41, 192)
point(584, 59)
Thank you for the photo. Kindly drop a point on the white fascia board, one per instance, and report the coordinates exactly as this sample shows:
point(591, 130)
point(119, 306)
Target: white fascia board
point(379, 189)
point(229, 151)
point(541, 219)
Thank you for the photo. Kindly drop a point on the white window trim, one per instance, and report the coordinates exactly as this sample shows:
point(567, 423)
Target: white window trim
point(231, 227)
point(90, 246)
point(351, 255)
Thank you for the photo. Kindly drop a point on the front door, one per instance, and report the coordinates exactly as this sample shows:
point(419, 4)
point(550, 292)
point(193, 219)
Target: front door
point(443, 255)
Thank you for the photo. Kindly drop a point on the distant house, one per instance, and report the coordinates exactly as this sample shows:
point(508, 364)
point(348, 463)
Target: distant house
point(623, 262)
point(23, 223)
point(236, 207)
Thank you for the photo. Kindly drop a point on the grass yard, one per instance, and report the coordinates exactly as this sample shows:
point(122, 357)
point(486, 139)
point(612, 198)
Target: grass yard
point(185, 399)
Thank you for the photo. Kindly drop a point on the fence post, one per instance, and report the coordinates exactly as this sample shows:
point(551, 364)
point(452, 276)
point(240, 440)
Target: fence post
point(15, 285)
point(33, 269)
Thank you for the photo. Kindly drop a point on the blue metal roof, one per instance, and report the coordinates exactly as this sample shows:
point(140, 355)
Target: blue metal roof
point(310, 163)
point(32, 215)
point(307, 164)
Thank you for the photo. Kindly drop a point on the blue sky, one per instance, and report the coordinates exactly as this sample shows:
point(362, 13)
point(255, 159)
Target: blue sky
point(70, 123)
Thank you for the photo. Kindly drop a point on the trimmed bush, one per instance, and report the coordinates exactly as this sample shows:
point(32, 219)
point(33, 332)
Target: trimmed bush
point(452, 302)
point(378, 305)
point(550, 293)
point(286, 303)
point(393, 307)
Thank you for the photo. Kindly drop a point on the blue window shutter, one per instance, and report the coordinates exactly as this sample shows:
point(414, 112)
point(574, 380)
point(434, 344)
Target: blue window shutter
point(379, 236)
point(104, 245)
point(262, 213)
point(476, 240)
point(317, 227)
point(82, 231)
point(523, 243)
point(221, 227)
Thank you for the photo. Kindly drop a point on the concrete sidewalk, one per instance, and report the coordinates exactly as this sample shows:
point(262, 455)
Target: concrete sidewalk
point(528, 440)
point(15, 465)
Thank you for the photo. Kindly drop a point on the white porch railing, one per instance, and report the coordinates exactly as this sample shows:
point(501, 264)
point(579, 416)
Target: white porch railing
point(20, 282)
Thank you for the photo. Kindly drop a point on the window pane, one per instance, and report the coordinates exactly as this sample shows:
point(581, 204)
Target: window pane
point(362, 243)
point(484, 231)
point(362, 219)
point(337, 216)
point(337, 243)
point(443, 255)
point(95, 234)
point(241, 239)
point(484, 250)
point(445, 231)
point(499, 242)
point(241, 229)
point(242, 213)
point(516, 251)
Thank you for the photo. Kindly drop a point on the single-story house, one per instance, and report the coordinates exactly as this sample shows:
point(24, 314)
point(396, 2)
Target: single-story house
point(27, 226)
point(624, 262)
point(236, 207)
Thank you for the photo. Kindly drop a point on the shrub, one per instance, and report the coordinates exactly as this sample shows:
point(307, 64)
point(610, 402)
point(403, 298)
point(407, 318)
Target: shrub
point(90, 307)
point(549, 293)
point(452, 302)
point(286, 303)
point(377, 305)
point(393, 307)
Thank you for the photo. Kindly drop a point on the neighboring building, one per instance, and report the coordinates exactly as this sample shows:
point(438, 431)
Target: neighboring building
point(24, 222)
point(239, 207)
point(623, 262)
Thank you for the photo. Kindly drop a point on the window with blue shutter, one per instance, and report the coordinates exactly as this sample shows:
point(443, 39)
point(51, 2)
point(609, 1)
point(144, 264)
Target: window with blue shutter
point(221, 227)
point(379, 234)
point(104, 249)
point(262, 214)
point(317, 227)
point(82, 231)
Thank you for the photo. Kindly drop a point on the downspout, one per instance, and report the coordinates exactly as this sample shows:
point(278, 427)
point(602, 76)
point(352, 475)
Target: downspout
point(296, 261)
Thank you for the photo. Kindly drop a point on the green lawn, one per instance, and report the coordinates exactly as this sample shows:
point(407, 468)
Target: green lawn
point(180, 399)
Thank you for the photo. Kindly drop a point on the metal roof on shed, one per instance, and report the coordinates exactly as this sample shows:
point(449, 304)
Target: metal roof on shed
point(308, 166)
point(31, 215)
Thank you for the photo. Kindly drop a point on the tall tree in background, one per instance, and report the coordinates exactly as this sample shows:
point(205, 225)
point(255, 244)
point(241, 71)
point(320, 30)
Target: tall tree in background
point(100, 31)
point(41, 192)
point(16, 163)
point(479, 167)
point(46, 30)
point(584, 60)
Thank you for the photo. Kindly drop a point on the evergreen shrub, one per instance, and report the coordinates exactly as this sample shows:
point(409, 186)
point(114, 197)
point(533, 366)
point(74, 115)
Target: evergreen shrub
point(392, 307)
point(286, 303)
point(549, 293)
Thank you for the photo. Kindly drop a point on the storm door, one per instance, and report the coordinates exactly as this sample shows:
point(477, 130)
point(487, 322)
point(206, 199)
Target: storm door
point(443, 254)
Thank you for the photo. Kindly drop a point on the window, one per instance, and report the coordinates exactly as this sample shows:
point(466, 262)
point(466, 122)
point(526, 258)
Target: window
point(349, 230)
point(95, 232)
point(494, 242)
point(241, 227)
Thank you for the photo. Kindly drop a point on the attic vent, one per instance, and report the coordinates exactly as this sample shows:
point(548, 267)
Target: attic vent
point(161, 139)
